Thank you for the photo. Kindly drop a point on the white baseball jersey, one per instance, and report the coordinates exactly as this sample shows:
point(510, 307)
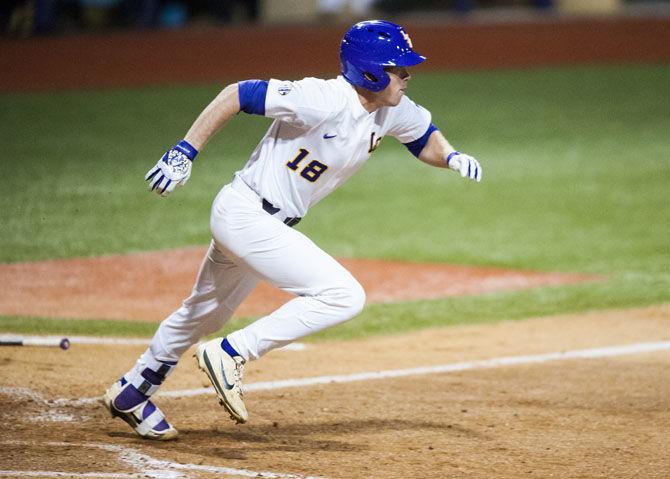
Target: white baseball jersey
point(320, 137)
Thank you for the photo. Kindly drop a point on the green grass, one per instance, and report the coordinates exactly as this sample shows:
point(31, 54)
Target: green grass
point(78, 327)
point(576, 178)
point(379, 319)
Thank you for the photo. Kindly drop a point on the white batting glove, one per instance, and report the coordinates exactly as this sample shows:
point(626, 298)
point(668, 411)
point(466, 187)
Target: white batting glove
point(465, 165)
point(173, 169)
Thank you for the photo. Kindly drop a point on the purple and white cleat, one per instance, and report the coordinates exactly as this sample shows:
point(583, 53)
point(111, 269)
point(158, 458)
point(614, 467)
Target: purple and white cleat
point(123, 400)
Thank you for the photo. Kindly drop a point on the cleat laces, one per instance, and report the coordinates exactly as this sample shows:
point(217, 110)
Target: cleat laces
point(238, 373)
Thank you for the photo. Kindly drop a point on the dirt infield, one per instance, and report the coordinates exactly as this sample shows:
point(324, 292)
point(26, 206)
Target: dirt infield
point(218, 54)
point(148, 286)
point(598, 417)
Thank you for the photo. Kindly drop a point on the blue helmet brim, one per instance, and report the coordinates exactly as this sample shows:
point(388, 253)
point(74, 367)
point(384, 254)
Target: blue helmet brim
point(408, 59)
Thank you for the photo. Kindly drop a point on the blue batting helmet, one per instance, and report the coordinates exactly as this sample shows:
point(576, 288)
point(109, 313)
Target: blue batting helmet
point(370, 46)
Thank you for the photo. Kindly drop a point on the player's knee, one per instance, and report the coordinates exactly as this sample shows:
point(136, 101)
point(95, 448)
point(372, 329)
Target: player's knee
point(353, 299)
point(358, 298)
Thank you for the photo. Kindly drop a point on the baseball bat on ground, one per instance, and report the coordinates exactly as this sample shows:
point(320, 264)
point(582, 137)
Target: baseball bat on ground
point(62, 343)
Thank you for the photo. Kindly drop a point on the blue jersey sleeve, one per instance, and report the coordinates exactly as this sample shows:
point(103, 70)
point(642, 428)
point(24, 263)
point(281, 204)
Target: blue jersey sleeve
point(252, 95)
point(416, 147)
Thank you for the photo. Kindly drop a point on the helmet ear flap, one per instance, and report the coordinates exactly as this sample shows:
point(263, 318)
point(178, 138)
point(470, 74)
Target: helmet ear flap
point(375, 83)
point(370, 77)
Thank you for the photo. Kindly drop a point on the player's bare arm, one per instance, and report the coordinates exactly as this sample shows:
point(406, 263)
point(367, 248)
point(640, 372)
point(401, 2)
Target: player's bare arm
point(436, 150)
point(439, 152)
point(224, 107)
point(174, 167)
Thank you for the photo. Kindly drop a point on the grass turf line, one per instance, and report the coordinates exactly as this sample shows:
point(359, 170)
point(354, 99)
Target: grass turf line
point(380, 319)
point(76, 327)
point(575, 179)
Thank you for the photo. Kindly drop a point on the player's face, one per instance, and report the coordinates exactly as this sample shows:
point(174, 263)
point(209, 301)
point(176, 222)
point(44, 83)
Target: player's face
point(393, 93)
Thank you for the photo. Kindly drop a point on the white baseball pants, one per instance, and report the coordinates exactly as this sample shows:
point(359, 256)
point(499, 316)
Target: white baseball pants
point(249, 244)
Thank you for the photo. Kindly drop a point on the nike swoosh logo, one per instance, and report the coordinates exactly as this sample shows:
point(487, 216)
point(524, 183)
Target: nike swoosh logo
point(328, 137)
point(213, 374)
point(225, 380)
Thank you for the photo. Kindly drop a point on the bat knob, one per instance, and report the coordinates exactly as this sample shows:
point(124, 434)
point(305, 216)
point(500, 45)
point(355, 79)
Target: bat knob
point(65, 343)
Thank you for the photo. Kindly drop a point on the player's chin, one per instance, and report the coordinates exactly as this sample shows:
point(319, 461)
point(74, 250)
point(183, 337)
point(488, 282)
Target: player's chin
point(395, 100)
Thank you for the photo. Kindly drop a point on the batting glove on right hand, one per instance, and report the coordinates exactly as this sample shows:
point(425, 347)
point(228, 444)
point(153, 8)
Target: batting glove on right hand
point(173, 169)
point(465, 165)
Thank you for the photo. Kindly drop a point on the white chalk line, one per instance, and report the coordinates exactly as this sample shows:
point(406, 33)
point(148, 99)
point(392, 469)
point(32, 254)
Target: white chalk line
point(110, 475)
point(145, 465)
point(80, 339)
point(444, 368)
point(593, 353)
point(170, 469)
point(114, 340)
point(52, 409)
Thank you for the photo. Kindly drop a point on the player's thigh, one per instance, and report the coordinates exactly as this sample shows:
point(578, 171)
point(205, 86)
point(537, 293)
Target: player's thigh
point(282, 256)
point(221, 281)
point(294, 263)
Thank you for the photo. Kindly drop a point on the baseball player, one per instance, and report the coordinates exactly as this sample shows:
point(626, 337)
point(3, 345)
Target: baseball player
point(323, 132)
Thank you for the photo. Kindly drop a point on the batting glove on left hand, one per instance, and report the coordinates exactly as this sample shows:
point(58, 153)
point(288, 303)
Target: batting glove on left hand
point(465, 165)
point(173, 169)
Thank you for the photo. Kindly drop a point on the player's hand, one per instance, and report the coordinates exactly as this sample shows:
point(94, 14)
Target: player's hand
point(173, 169)
point(466, 165)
